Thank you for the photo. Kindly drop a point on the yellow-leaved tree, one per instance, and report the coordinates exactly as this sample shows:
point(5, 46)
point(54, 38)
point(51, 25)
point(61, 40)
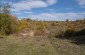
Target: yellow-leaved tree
point(41, 25)
point(23, 24)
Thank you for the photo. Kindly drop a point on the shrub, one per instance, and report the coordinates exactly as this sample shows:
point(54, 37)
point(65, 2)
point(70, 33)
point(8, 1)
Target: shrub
point(41, 25)
point(8, 24)
point(22, 25)
point(69, 33)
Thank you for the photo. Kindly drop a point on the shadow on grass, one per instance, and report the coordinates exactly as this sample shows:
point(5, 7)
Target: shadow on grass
point(77, 37)
point(78, 40)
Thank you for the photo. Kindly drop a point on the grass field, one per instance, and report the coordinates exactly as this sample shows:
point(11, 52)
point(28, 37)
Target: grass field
point(38, 45)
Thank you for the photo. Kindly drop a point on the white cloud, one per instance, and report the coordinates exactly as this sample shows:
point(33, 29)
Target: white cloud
point(14, 10)
point(51, 2)
point(29, 4)
point(59, 16)
point(17, 13)
point(24, 12)
point(28, 12)
point(81, 3)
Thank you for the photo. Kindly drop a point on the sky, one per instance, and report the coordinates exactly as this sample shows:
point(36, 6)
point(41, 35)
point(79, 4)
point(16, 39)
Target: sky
point(50, 10)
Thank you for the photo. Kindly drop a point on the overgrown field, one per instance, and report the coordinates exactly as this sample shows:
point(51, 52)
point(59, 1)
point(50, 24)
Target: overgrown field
point(38, 45)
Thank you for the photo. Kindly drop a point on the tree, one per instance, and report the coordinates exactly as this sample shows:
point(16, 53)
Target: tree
point(6, 9)
point(67, 20)
point(0, 8)
point(28, 20)
point(41, 25)
point(84, 18)
point(23, 24)
point(8, 23)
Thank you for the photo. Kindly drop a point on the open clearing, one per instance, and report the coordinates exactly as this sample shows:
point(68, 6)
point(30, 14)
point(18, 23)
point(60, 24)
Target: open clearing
point(38, 45)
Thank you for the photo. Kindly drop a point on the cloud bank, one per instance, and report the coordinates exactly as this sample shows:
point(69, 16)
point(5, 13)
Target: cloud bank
point(81, 3)
point(58, 16)
point(30, 4)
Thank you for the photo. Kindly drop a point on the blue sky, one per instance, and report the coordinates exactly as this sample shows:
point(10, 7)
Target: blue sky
point(47, 9)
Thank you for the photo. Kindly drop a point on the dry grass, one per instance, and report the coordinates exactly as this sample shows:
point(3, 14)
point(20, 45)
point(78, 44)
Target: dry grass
point(38, 45)
point(66, 47)
point(12, 45)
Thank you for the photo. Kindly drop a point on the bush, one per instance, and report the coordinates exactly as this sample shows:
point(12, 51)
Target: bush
point(66, 34)
point(23, 24)
point(41, 25)
point(69, 33)
point(8, 24)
